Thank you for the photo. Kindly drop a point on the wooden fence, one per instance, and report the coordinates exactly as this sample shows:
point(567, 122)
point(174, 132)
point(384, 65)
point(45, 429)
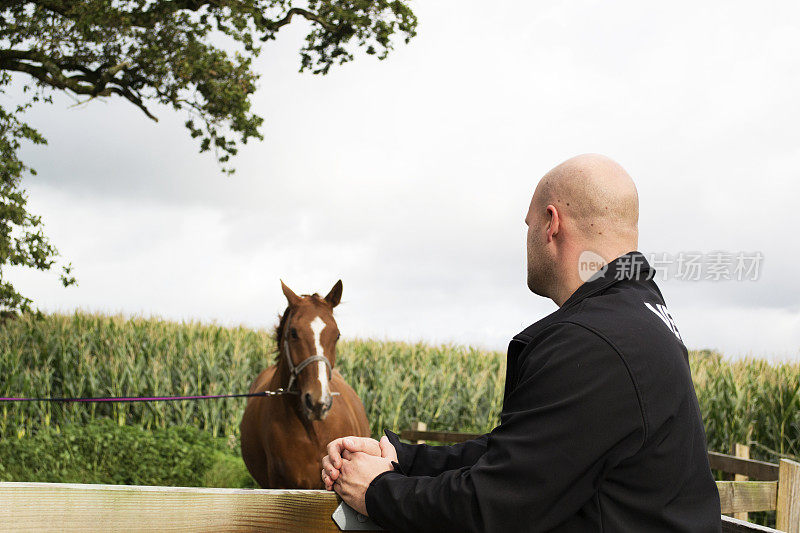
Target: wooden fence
point(769, 487)
point(72, 507)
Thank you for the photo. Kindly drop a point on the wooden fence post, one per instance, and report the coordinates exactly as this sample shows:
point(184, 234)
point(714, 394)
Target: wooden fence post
point(788, 511)
point(419, 426)
point(743, 452)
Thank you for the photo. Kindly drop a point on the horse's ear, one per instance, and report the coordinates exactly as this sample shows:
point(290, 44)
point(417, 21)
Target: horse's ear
point(335, 296)
point(290, 295)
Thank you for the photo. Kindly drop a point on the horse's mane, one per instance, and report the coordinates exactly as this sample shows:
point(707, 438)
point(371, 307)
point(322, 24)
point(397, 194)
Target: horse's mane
point(279, 333)
point(280, 326)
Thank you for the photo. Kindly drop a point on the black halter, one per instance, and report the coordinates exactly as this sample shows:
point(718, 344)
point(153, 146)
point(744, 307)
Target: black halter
point(294, 370)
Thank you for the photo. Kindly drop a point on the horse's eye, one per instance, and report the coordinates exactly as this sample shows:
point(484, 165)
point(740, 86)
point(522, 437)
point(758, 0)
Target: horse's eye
point(293, 333)
point(338, 336)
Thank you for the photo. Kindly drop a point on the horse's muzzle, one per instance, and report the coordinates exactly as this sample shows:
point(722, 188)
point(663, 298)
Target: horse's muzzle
point(317, 410)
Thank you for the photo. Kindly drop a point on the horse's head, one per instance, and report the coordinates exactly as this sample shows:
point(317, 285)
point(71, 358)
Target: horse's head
point(307, 336)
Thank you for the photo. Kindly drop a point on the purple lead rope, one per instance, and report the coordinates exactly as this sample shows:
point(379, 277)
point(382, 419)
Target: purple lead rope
point(149, 398)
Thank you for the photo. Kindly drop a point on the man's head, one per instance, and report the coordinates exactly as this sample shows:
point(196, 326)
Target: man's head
point(587, 205)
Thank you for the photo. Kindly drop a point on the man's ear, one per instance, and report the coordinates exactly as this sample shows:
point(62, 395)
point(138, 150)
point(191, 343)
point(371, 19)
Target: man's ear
point(553, 223)
point(335, 296)
point(290, 295)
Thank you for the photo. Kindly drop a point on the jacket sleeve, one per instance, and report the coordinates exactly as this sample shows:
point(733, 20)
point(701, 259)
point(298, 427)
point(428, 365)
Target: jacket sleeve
point(424, 460)
point(573, 415)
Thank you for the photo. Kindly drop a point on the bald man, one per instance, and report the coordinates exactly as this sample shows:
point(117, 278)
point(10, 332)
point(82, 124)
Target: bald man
point(600, 428)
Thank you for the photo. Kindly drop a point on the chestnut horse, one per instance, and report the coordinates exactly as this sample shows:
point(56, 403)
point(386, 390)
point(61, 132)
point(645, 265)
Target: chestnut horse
point(284, 436)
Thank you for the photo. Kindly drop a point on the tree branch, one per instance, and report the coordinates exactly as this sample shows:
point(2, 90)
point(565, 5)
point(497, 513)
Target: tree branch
point(303, 13)
point(92, 83)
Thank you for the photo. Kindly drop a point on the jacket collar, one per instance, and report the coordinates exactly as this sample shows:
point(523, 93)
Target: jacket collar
point(632, 265)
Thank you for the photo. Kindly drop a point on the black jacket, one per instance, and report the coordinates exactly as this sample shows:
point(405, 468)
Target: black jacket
point(600, 430)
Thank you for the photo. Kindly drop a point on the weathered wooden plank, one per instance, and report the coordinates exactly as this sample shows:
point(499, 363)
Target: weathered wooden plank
point(788, 515)
point(733, 525)
point(747, 496)
point(742, 452)
point(439, 436)
point(755, 470)
point(70, 507)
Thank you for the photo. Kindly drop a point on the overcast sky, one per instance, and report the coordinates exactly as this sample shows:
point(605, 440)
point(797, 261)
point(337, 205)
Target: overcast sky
point(409, 178)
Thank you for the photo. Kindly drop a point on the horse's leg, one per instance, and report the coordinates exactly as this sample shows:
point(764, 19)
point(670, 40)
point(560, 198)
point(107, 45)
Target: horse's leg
point(253, 454)
point(251, 438)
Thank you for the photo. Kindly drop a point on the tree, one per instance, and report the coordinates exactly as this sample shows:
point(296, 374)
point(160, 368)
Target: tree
point(192, 55)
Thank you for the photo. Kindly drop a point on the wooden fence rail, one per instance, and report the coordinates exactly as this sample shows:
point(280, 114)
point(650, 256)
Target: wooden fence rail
point(72, 507)
point(774, 487)
point(757, 470)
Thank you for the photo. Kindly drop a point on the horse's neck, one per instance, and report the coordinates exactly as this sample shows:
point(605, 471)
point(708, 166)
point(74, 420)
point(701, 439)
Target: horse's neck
point(282, 372)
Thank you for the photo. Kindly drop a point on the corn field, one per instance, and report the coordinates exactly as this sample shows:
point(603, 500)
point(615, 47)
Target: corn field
point(449, 387)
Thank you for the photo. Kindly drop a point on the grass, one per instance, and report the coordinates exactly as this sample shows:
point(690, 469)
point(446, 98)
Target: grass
point(102, 451)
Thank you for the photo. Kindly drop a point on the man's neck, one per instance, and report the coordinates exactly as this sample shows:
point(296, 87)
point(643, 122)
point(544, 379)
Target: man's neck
point(562, 297)
point(572, 279)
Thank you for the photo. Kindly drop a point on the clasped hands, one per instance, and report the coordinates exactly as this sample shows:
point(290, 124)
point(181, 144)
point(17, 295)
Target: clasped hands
point(351, 465)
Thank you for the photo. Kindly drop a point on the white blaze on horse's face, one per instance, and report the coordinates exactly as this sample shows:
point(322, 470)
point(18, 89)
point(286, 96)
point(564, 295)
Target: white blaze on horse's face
point(317, 325)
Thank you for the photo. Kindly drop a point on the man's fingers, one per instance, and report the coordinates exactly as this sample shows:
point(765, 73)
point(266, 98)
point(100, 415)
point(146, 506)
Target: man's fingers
point(361, 444)
point(334, 451)
point(342, 448)
point(387, 450)
point(329, 468)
